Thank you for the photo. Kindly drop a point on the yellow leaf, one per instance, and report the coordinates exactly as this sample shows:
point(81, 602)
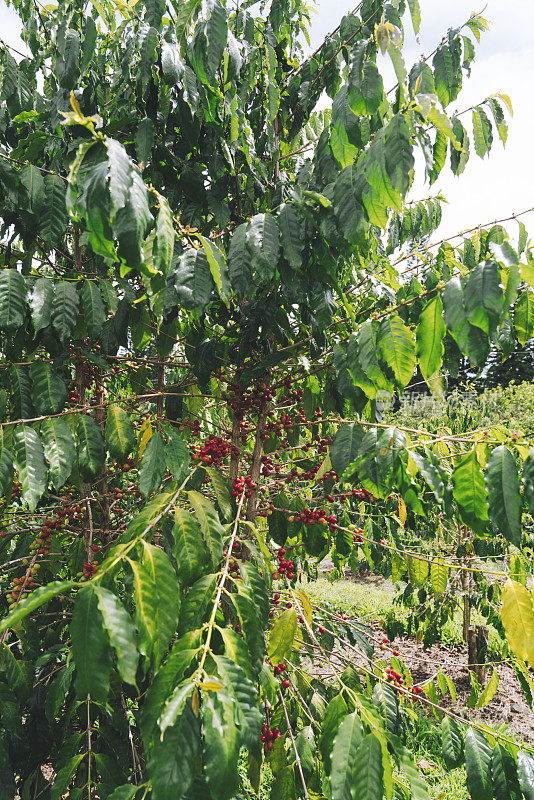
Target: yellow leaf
point(518, 620)
point(402, 511)
point(211, 686)
point(146, 434)
point(76, 106)
point(306, 607)
point(507, 102)
point(439, 575)
point(195, 702)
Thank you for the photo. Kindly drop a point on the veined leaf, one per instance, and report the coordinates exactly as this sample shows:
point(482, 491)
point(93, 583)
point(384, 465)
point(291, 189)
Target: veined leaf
point(396, 345)
point(152, 465)
point(525, 771)
point(482, 132)
point(219, 270)
point(282, 635)
point(64, 309)
point(478, 755)
point(121, 633)
point(175, 704)
point(346, 743)
point(59, 449)
point(12, 299)
point(368, 772)
point(469, 492)
point(53, 219)
point(439, 576)
point(89, 447)
point(49, 389)
point(157, 600)
point(144, 138)
point(504, 775)
point(94, 311)
point(165, 235)
point(263, 246)
point(171, 763)
point(524, 317)
point(222, 743)
point(119, 432)
point(21, 393)
point(189, 547)
point(40, 300)
point(90, 647)
point(504, 499)
point(291, 235)
point(30, 464)
point(518, 620)
point(489, 691)
point(34, 601)
point(429, 337)
point(210, 525)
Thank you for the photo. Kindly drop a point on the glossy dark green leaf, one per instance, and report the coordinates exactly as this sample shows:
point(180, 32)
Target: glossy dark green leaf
point(89, 447)
point(469, 492)
point(171, 765)
point(221, 742)
point(12, 299)
point(120, 631)
point(189, 547)
point(478, 755)
point(59, 449)
point(348, 738)
point(504, 500)
point(119, 432)
point(29, 461)
point(208, 519)
point(49, 391)
point(90, 647)
point(64, 309)
point(94, 311)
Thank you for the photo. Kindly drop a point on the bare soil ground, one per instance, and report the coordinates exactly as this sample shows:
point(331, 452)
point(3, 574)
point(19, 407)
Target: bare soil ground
point(508, 708)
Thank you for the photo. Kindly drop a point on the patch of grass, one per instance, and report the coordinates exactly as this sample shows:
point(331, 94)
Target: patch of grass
point(361, 600)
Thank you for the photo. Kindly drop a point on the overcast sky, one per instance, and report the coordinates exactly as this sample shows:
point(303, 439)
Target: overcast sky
point(501, 183)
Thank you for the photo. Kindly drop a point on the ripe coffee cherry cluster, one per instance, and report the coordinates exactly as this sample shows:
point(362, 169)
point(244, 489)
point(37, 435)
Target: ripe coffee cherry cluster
point(319, 517)
point(275, 601)
point(241, 484)
point(89, 569)
point(241, 399)
point(268, 737)
point(267, 465)
point(192, 424)
point(393, 677)
point(286, 568)
point(279, 668)
point(74, 397)
point(357, 535)
point(214, 450)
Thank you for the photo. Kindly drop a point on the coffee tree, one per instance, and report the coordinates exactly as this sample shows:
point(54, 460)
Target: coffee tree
point(207, 290)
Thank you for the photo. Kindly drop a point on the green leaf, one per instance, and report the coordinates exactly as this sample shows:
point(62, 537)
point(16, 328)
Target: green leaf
point(53, 218)
point(415, 12)
point(171, 764)
point(344, 449)
point(34, 601)
point(90, 648)
point(157, 600)
point(385, 700)
point(59, 449)
point(367, 780)
point(439, 576)
point(49, 389)
point(459, 158)
point(469, 491)
point(40, 300)
point(219, 270)
point(172, 66)
point(245, 698)
point(30, 464)
point(524, 317)
point(210, 525)
point(452, 742)
point(222, 492)
point(94, 311)
point(221, 741)
point(447, 72)
point(64, 309)
point(282, 635)
point(346, 743)
point(429, 338)
point(12, 299)
point(483, 296)
point(478, 756)
point(152, 465)
point(525, 771)
point(291, 235)
point(119, 433)
point(144, 139)
point(189, 547)
point(65, 776)
point(15, 671)
point(32, 180)
point(217, 33)
point(177, 455)
point(165, 235)
point(397, 348)
point(239, 270)
point(174, 705)
point(143, 523)
point(121, 633)
point(192, 279)
point(365, 86)
point(263, 246)
point(126, 792)
point(21, 393)
point(504, 500)
point(504, 775)
point(90, 447)
point(482, 132)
